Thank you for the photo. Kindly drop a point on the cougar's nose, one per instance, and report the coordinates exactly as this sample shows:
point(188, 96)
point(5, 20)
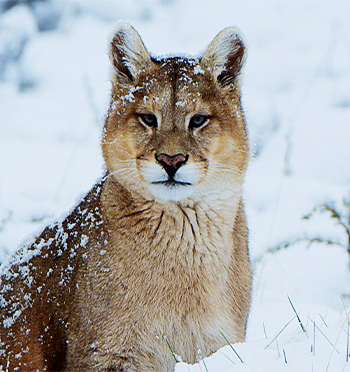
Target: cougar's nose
point(171, 163)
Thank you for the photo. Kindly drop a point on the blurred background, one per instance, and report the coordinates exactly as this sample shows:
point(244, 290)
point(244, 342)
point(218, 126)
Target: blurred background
point(54, 94)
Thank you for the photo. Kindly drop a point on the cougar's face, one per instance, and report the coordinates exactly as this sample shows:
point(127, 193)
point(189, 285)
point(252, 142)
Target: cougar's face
point(173, 135)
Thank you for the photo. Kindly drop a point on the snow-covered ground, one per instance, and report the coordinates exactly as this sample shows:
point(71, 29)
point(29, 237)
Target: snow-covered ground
point(53, 96)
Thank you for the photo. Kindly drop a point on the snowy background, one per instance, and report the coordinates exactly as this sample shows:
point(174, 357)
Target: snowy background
point(54, 90)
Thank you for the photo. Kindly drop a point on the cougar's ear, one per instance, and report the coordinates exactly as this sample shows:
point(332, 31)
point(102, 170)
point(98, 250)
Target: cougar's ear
point(128, 54)
point(225, 57)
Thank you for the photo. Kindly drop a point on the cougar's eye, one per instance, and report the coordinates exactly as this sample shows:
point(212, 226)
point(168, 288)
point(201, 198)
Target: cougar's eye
point(149, 119)
point(197, 121)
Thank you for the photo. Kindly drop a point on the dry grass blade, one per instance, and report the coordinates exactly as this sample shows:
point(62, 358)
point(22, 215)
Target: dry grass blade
point(347, 330)
point(201, 359)
point(299, 320)
point(229, 343)
point(205, 365)
point(334, 348)
point(275, 338)
point(264, 330)
point(347, 343)
point(278, 349)
point(314, 343)
point(171, 349)
point(324, 322)
point(285, 358)
point(329, 341)
point(227, 357)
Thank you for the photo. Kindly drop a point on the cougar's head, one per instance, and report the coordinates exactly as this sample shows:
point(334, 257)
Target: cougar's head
point(175, 128)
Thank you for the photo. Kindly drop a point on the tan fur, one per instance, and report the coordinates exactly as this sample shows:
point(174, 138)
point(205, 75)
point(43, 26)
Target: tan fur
point(138, 264)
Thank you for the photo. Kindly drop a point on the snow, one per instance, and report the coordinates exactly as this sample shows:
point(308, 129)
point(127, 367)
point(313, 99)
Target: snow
point(54, 93)
point(198, 70)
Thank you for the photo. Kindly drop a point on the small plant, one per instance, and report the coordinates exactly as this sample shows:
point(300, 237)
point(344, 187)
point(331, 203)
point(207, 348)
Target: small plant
point(340, 214)
point(342, 219)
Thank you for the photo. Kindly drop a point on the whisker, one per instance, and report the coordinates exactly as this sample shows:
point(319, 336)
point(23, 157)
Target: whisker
point(125, 170)
point(217, 167)
point(126, 161)
point(240, 150)
point(126, 152)
point(223, 167)
point(232, 171)
point(131, 173)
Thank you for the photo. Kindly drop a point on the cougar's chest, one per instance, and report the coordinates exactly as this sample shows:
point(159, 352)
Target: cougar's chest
point(173, 262)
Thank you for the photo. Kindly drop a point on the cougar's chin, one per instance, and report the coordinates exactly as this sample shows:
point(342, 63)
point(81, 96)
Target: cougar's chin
point(171, 191)
point(175, 188)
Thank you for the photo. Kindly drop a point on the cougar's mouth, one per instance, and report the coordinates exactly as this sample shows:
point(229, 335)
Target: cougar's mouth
point(163, 185)
point(172, 183)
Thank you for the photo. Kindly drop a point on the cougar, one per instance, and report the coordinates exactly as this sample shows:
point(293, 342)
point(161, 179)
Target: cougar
point(152, 264)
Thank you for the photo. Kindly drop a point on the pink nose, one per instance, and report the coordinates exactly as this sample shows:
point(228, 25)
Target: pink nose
point(171, 163)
